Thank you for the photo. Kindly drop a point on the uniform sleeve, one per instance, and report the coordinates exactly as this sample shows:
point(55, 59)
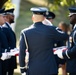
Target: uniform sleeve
point(0, 50)
point(71, 53)
point(22, 54)
point(58, 34)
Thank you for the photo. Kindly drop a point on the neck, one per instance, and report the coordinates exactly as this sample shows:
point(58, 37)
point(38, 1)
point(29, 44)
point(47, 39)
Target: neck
point(8, 21)
point(37, 18)
point(37, 21)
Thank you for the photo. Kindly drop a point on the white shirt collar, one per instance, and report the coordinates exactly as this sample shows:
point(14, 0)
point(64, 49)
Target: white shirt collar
point(0, 26)
point(47, 22)
point(74, 26)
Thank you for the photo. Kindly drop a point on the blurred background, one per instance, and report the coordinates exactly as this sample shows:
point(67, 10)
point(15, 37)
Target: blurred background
point(23, 14)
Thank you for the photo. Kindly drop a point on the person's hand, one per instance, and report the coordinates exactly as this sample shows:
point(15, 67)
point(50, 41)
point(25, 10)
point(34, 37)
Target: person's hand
point(8, 55)
point(23, 73)
point(4, 56)
point(63, 48)
point(59, 53)
point(14, 52)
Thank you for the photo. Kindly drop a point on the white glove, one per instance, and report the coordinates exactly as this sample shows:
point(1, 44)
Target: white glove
point(14, 52)
point(63, 48)
point(4, 56)
point(23, 73)
point(59, 53)
point(8, 55)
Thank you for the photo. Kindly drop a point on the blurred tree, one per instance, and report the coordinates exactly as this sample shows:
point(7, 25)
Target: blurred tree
point(2, 3)
point(55, 4)
point(8, 5)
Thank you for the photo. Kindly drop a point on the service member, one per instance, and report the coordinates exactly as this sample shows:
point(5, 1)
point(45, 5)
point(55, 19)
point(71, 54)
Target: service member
point(11, 37)
point(49, 17)
point(70, 54)
point(38, 39)
point(3, 47)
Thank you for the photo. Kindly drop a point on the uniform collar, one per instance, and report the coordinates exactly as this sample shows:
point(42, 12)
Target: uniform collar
point(37, 23)
point(74, 26)
point(8, 25)
point(47, 22)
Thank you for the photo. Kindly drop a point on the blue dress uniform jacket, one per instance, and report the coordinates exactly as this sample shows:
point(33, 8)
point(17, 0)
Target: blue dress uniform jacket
point(3, 47)
point(59, 44)
point(70, 56)
point(40, 46)
point(11, 37)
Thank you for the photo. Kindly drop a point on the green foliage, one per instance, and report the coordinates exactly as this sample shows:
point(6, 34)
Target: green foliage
point(8, 5)
point(56, 4)
point(68, 3)
point(25, 20)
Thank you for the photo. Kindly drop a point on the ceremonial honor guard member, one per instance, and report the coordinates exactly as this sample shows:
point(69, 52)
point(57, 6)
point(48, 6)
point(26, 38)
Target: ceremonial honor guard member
point(50, 16)
point(70, 54)
point(38, 39)
point(11, 37)
point(3, 47)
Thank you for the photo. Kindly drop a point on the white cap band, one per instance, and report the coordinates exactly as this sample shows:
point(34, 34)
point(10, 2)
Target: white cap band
point(70, 14)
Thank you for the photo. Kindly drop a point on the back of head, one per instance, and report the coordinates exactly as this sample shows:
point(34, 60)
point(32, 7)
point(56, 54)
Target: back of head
point(37, 18)
point(50, 15)
point(38, 14)
point(62, 23)
point(63, 26)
